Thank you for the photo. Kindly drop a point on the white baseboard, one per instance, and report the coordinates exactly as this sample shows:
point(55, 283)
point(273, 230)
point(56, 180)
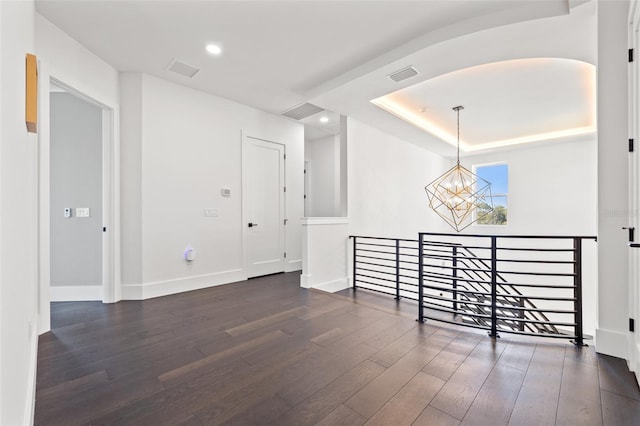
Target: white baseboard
point(333, 286)
point(305, 279)
point(612, 343)
point(294, 265)
point(30, 405)
point(75, 293)
point(165, 288)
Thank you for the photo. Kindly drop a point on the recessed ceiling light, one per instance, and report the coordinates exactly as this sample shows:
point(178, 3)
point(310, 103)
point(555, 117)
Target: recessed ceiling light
point(324, 119)
point(214, 49)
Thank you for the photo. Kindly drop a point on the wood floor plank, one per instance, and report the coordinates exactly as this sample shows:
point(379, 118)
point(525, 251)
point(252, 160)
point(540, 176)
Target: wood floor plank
point(373, 396)
point(517, 355)
point(327, 399)
point(263, 413)
point(495, 401)
point(326, 338)
point(342, 416)
point(461, 389)
point(579, 401)
point(262, 322)
point(318, 370)
point(184, 372)
point(400, 347)
point(619, 411)
point(406, 405)
point(431, 416)
point(616, 378)
point(541, 388)
point(452, 356)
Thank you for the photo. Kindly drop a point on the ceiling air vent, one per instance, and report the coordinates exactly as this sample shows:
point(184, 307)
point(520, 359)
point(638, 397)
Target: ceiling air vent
point(403, 74)
point(302, 111)
point(182, 69)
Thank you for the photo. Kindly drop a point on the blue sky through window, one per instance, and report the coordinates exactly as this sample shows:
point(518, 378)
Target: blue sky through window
point(498, 175)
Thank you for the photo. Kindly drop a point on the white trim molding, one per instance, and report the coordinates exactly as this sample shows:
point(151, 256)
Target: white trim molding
point(165, 288)
point(29, 410)
point(610, 342)
point(294, 265)
point(306, 221)
point(333, 286)
point(76, 293)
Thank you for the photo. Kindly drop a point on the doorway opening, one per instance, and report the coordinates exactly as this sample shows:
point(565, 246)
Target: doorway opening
point(76, 196)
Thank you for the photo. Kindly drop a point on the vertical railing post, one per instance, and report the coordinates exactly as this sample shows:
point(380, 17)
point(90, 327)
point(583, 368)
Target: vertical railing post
point(420, 281)
point(397, 269)
point(577, 289)
point(521, 314)
point(494, 287)
point(454, 274)
point(354, 264)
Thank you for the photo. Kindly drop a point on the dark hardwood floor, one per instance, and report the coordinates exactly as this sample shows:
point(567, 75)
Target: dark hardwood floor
point(266, 351)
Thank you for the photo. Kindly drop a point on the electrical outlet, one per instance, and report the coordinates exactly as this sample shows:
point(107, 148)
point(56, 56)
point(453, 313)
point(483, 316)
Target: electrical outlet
point(83, 212)
point(211, 212)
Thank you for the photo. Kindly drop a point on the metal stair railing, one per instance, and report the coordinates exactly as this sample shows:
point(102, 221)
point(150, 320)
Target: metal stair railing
point(454, 283)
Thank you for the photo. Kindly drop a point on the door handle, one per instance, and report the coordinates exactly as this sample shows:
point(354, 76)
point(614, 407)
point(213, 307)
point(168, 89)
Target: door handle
point(251, 225)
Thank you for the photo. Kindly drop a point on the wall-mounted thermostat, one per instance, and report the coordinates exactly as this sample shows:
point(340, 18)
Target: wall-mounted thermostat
point(226, 192)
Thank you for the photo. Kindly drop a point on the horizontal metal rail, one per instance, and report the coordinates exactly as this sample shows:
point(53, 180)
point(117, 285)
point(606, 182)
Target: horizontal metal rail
point(445, 275)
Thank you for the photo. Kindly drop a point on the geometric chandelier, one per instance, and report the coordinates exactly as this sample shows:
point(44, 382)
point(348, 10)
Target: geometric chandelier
point(459, 196)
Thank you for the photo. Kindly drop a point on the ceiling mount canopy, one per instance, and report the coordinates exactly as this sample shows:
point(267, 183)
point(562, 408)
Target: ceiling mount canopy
point(459, 196)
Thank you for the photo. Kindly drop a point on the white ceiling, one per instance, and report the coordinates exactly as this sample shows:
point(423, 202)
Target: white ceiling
point(315, 128)
point(539, 99)
point(333, 53)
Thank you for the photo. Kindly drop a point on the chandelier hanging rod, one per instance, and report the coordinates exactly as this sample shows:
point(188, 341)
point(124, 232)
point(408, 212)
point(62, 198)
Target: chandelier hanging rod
point(457, 109)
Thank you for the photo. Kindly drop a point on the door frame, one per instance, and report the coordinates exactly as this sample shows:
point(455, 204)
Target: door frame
point(634, 188)
point(111, 291)
point(244, 216)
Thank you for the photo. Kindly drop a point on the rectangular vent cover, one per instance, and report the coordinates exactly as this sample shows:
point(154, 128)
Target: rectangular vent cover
point(302, 111)
point(182, 69)
point(403, 74)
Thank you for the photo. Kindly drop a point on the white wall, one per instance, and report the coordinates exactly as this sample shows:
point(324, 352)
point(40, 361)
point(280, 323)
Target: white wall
point(324, 253)
point(552, 188)
point(552, 191)
point(131, 176)
point(323, 157)
point(76, 181)
point(387, 177)
point(18, 220)
point(613, 132)
point(189, 147)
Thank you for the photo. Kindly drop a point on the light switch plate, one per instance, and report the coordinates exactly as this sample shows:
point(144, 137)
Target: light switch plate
point(83, 212)
point(211, 212)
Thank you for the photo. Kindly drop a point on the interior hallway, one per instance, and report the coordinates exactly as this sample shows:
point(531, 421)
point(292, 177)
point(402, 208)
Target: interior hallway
point(266, 351)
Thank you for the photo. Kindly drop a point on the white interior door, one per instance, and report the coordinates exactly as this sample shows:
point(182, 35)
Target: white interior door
point(263, 206)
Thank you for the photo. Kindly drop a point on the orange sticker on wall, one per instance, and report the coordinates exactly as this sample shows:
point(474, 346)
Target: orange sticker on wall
point(31, 99)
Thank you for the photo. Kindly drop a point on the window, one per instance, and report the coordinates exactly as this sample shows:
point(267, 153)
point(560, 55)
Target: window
point(498, 175)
